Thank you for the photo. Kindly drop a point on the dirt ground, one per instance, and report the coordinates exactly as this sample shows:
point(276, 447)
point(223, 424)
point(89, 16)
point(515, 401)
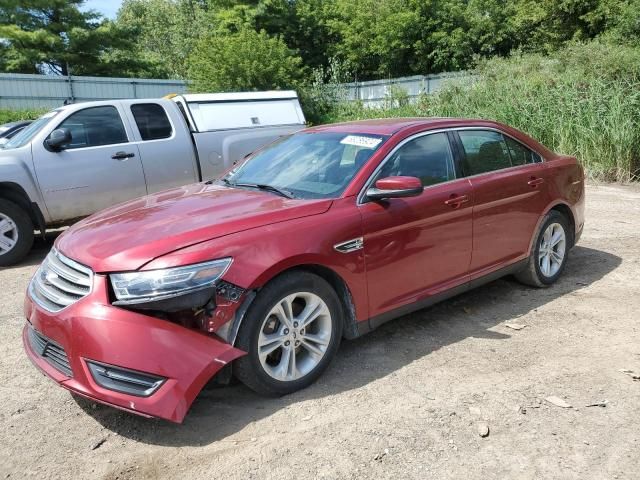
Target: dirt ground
point(405, 402)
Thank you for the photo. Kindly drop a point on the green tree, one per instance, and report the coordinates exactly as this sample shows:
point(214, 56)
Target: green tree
point(165, 32)
point(546, 25)
point(622, 19)
point(303, 25)
point(246, 60)
point(55, 36)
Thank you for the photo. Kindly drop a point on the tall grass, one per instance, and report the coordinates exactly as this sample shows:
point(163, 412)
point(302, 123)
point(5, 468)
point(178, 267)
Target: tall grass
point(15, 115)
point(582, 101)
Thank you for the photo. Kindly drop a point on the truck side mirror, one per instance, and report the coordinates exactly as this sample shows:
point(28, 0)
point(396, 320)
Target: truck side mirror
point(58, 138)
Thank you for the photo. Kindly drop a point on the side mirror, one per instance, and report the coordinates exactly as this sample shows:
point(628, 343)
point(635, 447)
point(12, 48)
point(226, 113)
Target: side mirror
point(58, 138)
point(395, 187)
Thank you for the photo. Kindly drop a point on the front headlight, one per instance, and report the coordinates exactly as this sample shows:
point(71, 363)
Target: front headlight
point(155, 285)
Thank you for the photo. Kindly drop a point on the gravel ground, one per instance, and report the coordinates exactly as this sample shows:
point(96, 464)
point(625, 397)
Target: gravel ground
point(409, 400)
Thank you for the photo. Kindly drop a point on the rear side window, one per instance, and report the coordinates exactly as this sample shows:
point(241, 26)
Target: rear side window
point(428, 158)
point(94, 127)
point(484, 151)
point(152, 121)
point(520, 155)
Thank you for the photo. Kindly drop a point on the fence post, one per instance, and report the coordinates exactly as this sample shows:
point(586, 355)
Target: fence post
point(72, 97)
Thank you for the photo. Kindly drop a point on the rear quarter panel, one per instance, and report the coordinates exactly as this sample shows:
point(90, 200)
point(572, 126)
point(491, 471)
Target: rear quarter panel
point(567, 186)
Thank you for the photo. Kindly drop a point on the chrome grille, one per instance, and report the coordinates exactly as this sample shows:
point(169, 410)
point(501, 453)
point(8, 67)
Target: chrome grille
point(50, 351)
point(60, 282)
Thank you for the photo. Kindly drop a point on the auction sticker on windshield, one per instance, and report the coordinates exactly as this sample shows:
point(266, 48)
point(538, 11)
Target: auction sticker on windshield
point(360, 141)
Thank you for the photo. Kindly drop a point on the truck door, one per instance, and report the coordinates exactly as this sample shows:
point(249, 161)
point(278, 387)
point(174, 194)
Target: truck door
point(98, 168)
point(165, 145)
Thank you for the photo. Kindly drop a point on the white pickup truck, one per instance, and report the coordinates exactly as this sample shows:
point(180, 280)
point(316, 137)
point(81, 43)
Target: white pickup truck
point(81, 158)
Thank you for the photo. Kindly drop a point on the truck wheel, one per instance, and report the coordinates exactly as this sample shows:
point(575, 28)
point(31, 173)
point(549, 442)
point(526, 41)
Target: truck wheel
point(291, 333)
point(16, 233)
point(550, 251)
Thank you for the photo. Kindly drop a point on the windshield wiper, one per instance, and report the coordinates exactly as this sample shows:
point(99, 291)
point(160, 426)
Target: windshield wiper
point(260, 186)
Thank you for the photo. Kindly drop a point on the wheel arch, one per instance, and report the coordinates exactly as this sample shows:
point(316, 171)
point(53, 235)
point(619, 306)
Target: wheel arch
point(13, 192)
point(340, 286)
point(565, 210)
point(568, 214)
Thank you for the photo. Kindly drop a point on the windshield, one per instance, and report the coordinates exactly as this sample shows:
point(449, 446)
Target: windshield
point(308, 165)
point(29, 132)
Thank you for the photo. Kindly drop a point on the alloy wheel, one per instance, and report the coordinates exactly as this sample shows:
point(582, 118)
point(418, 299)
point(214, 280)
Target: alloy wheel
point(552, 250)
point(294, 336)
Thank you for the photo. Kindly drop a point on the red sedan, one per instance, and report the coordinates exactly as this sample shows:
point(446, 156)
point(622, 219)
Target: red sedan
point(323, 235)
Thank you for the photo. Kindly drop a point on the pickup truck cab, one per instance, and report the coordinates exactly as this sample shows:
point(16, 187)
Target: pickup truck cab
point(81, 158)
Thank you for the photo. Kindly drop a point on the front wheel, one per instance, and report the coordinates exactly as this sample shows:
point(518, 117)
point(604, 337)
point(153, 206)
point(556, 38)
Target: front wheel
point(291, 333)
point(16, 233)
point(549, 254)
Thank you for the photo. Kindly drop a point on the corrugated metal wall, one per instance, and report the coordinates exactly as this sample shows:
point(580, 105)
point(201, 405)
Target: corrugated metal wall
point(20, 91)
point(375, 93)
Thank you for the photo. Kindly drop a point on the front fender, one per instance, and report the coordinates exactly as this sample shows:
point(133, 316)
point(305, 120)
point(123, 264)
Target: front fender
point(262, 253)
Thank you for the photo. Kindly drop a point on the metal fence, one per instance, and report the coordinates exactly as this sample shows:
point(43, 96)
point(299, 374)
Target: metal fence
point(22, 91)
point(19, 91)
point(376, 92)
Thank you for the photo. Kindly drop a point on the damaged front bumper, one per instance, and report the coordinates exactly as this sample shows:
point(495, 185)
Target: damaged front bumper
point(129, 360)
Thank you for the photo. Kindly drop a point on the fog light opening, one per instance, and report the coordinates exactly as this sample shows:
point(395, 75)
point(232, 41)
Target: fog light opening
point(124, 380)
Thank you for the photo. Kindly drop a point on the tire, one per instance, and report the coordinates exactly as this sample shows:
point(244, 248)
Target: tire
point(539, 273)
point(264, 331)
point(16, 233)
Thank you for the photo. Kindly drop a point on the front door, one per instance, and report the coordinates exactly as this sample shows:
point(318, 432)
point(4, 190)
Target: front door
point(419, 246)
point(99, 168)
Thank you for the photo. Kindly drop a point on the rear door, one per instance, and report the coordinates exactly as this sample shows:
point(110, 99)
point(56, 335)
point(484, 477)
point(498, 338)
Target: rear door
point(165, 145)
point(418, 246)
point(99, 168)
point(510, 193)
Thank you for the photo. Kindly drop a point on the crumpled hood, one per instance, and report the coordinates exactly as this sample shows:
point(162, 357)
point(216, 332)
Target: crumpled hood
point(129, 235)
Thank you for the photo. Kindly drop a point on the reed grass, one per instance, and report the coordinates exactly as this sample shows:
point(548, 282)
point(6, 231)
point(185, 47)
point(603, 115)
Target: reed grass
point(582, 101)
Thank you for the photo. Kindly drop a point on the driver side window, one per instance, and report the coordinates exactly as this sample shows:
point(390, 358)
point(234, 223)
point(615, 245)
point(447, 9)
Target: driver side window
point(428, 158)
point(94, 127)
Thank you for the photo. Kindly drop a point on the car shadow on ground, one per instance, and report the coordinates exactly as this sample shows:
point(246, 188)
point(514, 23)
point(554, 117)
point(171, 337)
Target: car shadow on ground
point(221, 411)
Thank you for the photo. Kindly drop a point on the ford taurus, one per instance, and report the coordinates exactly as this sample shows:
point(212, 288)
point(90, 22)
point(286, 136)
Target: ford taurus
point(323, 235)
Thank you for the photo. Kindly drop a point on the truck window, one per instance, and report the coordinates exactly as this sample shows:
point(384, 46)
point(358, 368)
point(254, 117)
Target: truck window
point(94, 127)
point(152, 121)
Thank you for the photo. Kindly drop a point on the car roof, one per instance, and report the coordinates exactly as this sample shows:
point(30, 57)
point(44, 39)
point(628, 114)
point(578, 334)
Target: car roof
point(390, 126)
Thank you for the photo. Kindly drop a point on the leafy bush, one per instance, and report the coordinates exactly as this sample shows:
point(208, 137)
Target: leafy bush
point(583, 101)
point(242, 61)
point(324, 93)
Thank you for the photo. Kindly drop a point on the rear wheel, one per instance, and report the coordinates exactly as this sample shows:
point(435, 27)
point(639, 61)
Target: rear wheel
point(291, 333)
point(16, 233)
point(550, 252)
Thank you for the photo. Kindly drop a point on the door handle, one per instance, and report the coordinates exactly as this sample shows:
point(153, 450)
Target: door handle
point(122, 155)
point(533, 181)
point(455, 201)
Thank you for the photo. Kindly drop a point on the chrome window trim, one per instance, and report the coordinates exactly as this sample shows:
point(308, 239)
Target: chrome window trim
point(493, 129)
point(362, 197)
